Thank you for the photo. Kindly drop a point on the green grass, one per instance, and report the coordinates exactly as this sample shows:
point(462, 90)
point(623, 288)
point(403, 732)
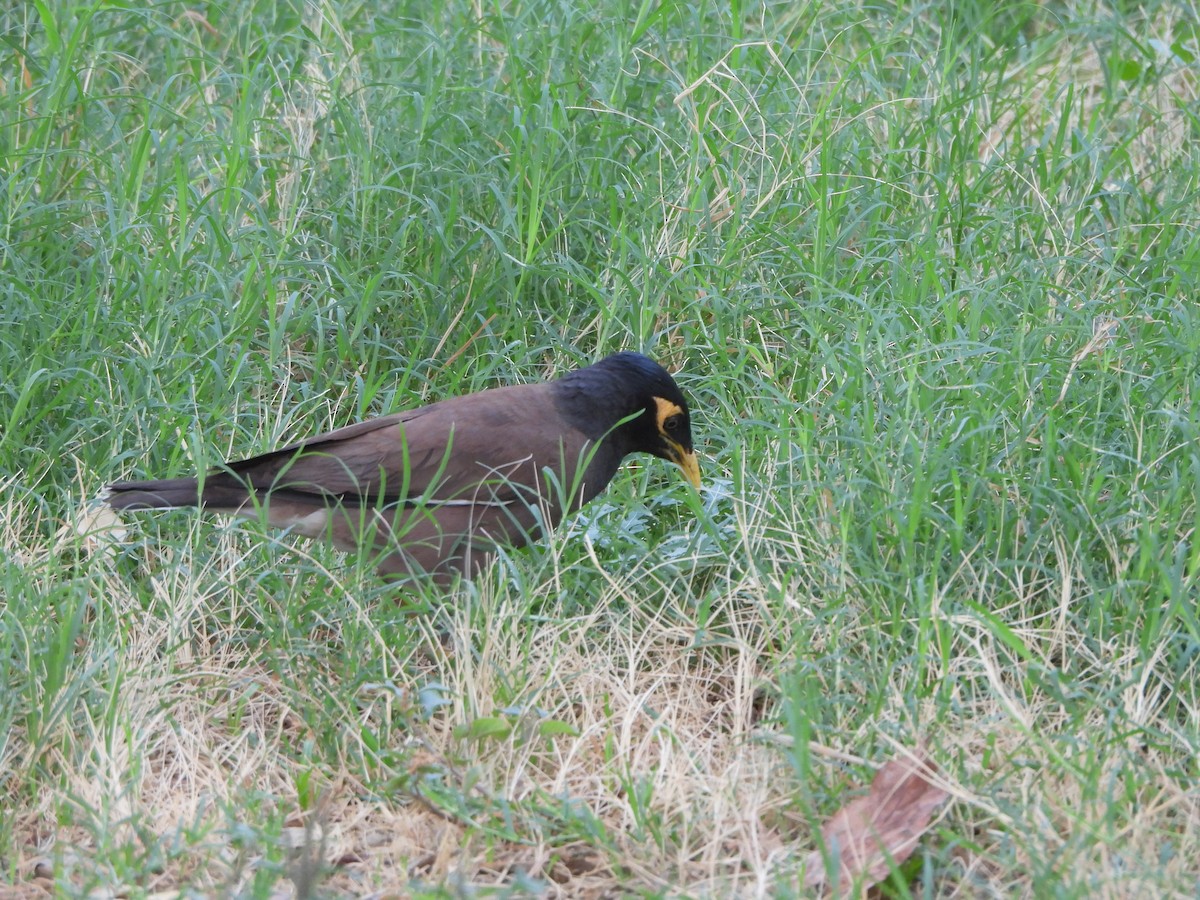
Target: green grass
point(929, 275)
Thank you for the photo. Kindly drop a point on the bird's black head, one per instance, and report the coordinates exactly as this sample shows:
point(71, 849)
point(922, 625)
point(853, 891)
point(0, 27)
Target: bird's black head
point(635, 402)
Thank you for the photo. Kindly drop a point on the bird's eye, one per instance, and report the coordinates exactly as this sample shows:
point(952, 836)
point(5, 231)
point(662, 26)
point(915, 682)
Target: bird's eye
point(672, 424)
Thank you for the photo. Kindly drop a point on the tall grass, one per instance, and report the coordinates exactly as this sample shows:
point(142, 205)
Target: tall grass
point(928, 275)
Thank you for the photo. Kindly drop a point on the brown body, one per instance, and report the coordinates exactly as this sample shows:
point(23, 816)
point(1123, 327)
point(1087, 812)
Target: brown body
point(435, 489)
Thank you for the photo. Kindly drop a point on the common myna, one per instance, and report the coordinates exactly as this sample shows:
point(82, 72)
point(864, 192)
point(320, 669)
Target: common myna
point(436, 489)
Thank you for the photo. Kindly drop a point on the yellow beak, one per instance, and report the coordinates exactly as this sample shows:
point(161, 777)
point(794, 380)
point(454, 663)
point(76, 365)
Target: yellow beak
point(686, 460)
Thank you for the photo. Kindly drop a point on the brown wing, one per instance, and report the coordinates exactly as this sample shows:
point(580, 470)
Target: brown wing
point(434, 488)
point(439, 452)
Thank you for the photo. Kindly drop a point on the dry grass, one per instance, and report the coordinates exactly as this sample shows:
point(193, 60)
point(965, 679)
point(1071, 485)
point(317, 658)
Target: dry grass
point(678, 753)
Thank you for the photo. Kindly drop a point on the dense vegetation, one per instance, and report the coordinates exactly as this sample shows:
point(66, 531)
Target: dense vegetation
point(929, 274)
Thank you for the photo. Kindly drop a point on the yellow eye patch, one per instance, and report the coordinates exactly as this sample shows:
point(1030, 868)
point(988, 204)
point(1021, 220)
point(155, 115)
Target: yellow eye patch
point(664, 410)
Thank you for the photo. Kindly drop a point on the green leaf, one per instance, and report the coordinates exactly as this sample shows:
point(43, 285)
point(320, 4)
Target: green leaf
point(369, 740)
point(53, 40)
point(1129, 69)
point(1007, 636)
point(555, 727)
point(483, 728)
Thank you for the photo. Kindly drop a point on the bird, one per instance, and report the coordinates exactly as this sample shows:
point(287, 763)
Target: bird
point(435, 490)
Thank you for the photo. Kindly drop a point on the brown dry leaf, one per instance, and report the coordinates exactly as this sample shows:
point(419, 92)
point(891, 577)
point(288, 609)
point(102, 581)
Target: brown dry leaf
point(880, 829)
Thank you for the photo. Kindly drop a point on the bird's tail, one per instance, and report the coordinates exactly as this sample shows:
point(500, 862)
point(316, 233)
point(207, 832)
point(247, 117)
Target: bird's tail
point(222, 492)
point(165, 493)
